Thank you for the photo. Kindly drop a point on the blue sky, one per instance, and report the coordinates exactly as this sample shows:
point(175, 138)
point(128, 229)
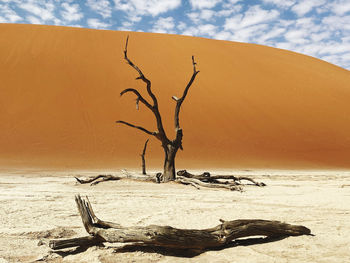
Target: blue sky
point(318, 28)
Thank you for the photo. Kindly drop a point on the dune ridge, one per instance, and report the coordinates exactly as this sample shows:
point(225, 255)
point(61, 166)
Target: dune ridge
point(251, 106)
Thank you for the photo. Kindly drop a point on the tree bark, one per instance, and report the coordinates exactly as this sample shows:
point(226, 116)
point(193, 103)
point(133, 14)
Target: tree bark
point(169, 163)
point(166, 236)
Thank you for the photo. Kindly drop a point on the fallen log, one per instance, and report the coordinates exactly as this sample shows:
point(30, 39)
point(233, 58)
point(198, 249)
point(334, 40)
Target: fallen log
point(208, 178)
point(174, 238)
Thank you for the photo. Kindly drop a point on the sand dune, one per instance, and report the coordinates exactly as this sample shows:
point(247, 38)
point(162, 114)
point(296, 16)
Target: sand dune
point(251, 105)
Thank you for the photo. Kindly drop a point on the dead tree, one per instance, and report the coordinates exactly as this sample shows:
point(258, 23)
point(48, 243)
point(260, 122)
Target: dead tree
point(143, 157)
point(174, 238)
point(169, 146)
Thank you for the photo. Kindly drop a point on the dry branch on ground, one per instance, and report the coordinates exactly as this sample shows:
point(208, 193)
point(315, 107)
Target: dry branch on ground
point(205, 179)
point(165, 236)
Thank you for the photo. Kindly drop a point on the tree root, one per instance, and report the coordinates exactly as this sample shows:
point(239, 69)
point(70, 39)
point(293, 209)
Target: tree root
point(174, 238)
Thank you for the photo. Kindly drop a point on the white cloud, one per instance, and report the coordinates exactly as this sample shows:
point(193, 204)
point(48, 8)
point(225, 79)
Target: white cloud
point(146, 7)
point(273, 33)
point(8, 15)
point(34, 20)
point(42, 9)
point(126, 26)
point(337, 23)
point(96, 23)
point(305, 6)
point(207, 14)
point(254, 15)
point(71, 12)
point(316, 37)
point(296, 36)
point(227, 11)
point(201, 30)
point(340, 7)
point(164, 25)
point(102, 7)
point(280, 3)
point(200, 4)
point(249, 34)
point(207, 29)
point(223, 35)
point(182, 26)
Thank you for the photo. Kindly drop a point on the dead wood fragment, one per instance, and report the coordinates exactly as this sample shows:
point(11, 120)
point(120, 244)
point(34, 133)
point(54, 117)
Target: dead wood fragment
point(197, 183)
point(169, 237)
point(98, 179)
point(208, 178)
point(205, 179)
point(143, 158)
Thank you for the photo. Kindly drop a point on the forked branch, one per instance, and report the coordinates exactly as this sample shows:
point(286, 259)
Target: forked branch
point(141, 75)
point(139, 98)
point(179, 101)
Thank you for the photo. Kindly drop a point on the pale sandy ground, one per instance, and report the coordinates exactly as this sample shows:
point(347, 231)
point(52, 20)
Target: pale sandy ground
point(36, 206)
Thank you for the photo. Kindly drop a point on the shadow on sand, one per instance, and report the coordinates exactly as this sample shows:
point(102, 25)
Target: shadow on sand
point(186, 253)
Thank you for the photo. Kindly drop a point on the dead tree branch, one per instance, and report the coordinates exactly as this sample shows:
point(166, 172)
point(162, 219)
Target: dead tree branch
point(219, 179)
point(154, 108)
point(98, 179)
point(143, 157)
point(139, 97)
point(138, 127)
point(169, 237)
point(181, 100)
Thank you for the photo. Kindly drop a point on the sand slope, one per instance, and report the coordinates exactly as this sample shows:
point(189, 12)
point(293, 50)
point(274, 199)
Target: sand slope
point(251, 106)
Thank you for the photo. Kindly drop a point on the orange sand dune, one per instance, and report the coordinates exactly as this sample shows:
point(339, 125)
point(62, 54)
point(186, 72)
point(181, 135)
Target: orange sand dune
point(251, 106)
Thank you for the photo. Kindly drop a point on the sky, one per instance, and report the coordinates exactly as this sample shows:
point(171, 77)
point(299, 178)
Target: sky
point(318, 28)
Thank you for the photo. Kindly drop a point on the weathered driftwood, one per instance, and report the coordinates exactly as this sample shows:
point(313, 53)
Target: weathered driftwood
point(169, 237)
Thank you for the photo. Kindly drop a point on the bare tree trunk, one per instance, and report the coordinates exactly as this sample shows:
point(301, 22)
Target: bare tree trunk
point(143, 158)
point(169, 173)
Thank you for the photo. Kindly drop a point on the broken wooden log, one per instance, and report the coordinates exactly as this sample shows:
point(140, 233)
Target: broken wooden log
point(169, 237)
